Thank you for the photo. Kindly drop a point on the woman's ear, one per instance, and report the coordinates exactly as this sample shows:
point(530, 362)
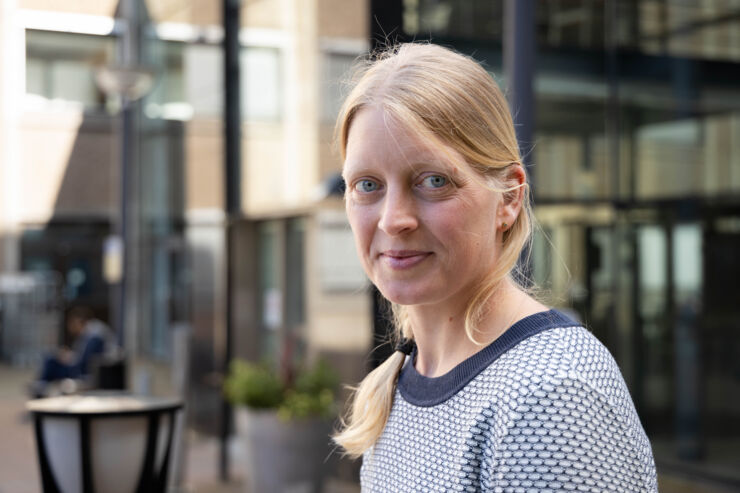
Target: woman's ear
point(515, 183)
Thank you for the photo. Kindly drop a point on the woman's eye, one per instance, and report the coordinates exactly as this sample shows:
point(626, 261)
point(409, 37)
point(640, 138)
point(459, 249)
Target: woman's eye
point(366, 186)
point(434, 181)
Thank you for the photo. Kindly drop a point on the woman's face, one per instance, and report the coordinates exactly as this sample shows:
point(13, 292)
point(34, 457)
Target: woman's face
point(425, 231)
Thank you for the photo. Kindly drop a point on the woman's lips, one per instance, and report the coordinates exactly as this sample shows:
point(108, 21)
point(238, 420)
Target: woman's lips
point(403, 259)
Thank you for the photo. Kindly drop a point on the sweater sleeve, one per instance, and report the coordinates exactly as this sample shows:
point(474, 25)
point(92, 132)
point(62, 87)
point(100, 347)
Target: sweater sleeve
point(565, 435)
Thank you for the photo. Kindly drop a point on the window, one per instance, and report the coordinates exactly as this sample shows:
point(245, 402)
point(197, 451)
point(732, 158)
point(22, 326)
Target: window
point(335, 70)
point(60, 68)
point(260, 81)
point(261, 84)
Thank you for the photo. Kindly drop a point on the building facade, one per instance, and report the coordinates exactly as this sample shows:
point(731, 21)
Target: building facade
point(68, 146)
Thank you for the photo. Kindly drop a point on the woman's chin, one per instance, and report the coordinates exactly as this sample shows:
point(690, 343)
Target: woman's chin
point(406, 296)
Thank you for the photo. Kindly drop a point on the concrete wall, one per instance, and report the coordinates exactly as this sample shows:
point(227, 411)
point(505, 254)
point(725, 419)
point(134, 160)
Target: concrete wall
point(90, 7)
point(9, 47)
point(343, 18)
point(74, 173)
point(203, 164)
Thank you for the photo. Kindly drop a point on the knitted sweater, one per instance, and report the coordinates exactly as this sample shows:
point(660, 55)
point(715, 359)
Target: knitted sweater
point(543, 408)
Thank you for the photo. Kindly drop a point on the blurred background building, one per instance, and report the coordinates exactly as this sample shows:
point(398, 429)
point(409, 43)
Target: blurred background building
point(635, 159)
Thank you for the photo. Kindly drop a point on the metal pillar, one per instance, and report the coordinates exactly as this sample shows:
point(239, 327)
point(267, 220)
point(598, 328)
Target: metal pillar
point(127, 130)
point(386, 23)
point(127, 226)
point(519, 45)
point(232, 182)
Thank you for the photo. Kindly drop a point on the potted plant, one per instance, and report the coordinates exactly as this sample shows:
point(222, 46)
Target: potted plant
point(284, 419)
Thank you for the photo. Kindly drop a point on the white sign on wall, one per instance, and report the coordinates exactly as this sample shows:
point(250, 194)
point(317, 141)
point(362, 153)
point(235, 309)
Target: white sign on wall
point(272, 311)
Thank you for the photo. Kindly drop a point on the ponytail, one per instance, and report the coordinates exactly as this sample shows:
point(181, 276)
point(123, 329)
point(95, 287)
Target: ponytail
point(371, 406)
point(373, 398)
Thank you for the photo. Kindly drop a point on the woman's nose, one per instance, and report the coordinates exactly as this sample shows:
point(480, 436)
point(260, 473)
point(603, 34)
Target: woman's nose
point(398, 215)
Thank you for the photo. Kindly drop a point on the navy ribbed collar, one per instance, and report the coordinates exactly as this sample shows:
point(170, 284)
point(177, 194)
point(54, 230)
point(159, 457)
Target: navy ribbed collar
point(425, 391)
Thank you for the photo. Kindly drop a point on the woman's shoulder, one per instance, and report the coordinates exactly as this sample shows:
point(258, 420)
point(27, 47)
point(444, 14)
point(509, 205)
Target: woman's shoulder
point(552, 345)
point(557, 365)
point(577, 402)
point(564, 349)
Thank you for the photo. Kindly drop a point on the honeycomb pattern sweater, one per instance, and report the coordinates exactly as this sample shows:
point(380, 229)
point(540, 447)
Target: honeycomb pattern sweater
point(544, 408)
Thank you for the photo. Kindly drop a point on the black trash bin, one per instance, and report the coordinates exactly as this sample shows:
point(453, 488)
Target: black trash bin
point(104, 442)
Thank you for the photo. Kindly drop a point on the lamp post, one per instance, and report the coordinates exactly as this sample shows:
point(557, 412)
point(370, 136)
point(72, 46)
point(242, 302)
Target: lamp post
point(129, 83)
point(232, 203)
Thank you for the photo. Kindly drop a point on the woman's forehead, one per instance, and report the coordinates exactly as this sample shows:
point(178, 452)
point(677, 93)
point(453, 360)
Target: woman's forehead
point(375, 136)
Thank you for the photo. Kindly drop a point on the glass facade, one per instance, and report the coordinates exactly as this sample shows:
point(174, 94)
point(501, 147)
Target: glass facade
point(281, 246)
point(636, 178)
point(74, 251)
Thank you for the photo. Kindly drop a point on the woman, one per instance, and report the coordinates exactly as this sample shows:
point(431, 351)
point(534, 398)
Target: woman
point(488, 390)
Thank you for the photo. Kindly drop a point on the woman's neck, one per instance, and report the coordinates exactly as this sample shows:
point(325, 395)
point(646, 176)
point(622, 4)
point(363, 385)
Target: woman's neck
point(439, 331)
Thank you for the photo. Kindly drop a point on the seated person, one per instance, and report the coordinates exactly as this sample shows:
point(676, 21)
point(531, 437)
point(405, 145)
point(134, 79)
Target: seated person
point(91, 337)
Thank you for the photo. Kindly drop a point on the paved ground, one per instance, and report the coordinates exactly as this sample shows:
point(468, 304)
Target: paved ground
point(17, 459)
point(19, 467)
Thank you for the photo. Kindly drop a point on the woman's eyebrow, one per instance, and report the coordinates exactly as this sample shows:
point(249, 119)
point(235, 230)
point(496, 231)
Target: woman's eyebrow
point(436, 162)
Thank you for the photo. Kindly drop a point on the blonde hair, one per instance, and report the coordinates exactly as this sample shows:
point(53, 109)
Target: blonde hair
point(451, 101)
